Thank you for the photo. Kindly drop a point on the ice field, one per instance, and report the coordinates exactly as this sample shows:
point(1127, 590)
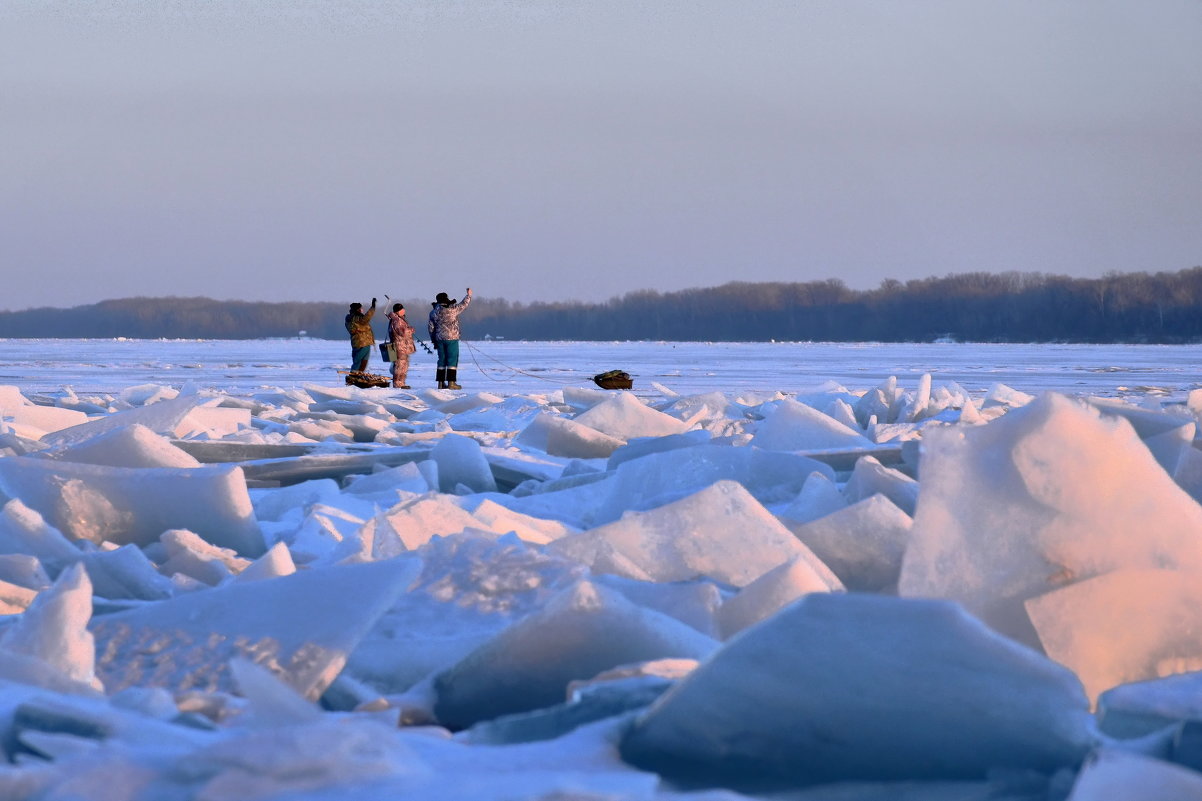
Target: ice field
point(685, 367)
point(786, 571)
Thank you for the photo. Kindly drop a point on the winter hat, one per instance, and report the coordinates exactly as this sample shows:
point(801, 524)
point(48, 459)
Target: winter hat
point(356, 306)
point(442, 298)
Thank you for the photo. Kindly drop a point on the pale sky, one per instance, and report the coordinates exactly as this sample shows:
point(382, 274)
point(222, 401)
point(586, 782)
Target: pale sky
point(303, 150)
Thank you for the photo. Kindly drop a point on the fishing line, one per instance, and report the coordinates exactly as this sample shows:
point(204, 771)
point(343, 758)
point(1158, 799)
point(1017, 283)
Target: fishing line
point(474, 350)
point(425, 347)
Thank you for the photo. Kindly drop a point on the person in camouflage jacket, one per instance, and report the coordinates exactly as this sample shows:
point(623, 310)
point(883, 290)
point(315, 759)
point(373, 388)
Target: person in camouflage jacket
point(445, 333)
point(400, 334)
point(363, 339)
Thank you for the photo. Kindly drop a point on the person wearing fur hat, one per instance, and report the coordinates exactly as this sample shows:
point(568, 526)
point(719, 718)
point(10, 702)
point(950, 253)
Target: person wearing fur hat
point(358, 325)
point(445, 334)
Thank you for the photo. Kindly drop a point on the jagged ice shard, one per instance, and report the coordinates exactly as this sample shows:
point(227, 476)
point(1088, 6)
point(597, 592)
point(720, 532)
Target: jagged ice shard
point(721, 532)
point(187, 642)
point(1046, 496)
point(596, 576)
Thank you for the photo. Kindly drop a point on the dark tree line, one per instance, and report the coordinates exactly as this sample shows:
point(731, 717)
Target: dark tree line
point(971, 307)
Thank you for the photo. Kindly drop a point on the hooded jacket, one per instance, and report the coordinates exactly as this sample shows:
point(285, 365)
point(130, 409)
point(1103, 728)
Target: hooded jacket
point(446, 318)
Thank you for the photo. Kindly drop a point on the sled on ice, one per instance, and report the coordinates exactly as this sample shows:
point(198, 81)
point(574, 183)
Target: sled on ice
point(613, 379)
point(356, 378)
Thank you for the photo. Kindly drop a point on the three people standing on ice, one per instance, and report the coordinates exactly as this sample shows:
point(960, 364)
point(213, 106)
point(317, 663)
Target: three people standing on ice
point(443, 327)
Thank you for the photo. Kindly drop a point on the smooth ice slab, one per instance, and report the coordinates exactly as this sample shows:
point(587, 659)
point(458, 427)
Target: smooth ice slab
point(863, 543)
point(470, 588)
point(767, 595)
point(23, 570)
point(559, 436)
point(793, 426)
point(509, 414)
point(870, 477)
point(277, 562)
point(190, 555)
point(501, 520)
point(1112, 774)
point(209, 421)
point(460, 461)
point(693, 603)
point(617, 698)
point(819, 497)
point(624, 416)
point(388, 483)
point(130, 446)
point(24, 531)
point(581, 632)
point(301, 627)
point(136, 505)
point(660, 478)
point(11, 397)
point(54, 630)
point(1124, 626)
point(126, 573)
point(1142, 707)
point(46, 419)
point(416, 521)
point(858, 687)
point(645, 446)
point(161, 417)
point(721, 532)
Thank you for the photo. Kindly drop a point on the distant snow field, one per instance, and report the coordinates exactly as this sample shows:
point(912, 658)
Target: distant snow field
point(786, 570)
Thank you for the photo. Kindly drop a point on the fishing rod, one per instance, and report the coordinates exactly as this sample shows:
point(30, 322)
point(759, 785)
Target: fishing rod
point(425, 347)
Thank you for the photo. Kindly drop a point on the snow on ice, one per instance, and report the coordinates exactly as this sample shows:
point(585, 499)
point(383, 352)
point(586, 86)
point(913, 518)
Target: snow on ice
point(875, 592)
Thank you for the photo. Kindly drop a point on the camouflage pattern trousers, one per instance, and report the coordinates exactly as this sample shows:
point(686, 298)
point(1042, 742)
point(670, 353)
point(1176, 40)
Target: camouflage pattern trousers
point(400, 370)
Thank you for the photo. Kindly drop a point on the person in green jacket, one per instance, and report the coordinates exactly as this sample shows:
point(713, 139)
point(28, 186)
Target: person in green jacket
point(358, 325)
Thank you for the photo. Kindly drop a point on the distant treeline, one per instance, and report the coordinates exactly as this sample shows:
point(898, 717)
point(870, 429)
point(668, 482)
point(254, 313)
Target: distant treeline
point(969, 307)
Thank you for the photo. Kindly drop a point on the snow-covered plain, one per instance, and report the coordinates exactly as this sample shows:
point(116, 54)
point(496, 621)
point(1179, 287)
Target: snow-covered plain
point(687, 367)
point(797, 571)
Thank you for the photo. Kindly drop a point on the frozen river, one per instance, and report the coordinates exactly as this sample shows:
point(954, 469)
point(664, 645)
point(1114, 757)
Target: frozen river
point(684, 367)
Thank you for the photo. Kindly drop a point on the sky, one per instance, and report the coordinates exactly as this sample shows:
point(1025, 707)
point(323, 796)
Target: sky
point(538, 151)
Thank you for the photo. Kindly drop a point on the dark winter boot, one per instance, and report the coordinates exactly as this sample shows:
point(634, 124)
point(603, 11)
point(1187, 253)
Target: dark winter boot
point(442, 377)
point(451, 384)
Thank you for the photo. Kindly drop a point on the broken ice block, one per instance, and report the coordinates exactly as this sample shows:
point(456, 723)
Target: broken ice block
point(767, 595)
point(1038, 499)
point(559, 436)
point(187, 642)
point(794, 426)
point(460, 462)
point(863, 544)
point(721, 533)
point(1123, 626)
point(54, 628)
point(135, 505)
point(853, 687)
point(129, 446)
point(870, 477)
point(581, 632)
point(624, 417)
